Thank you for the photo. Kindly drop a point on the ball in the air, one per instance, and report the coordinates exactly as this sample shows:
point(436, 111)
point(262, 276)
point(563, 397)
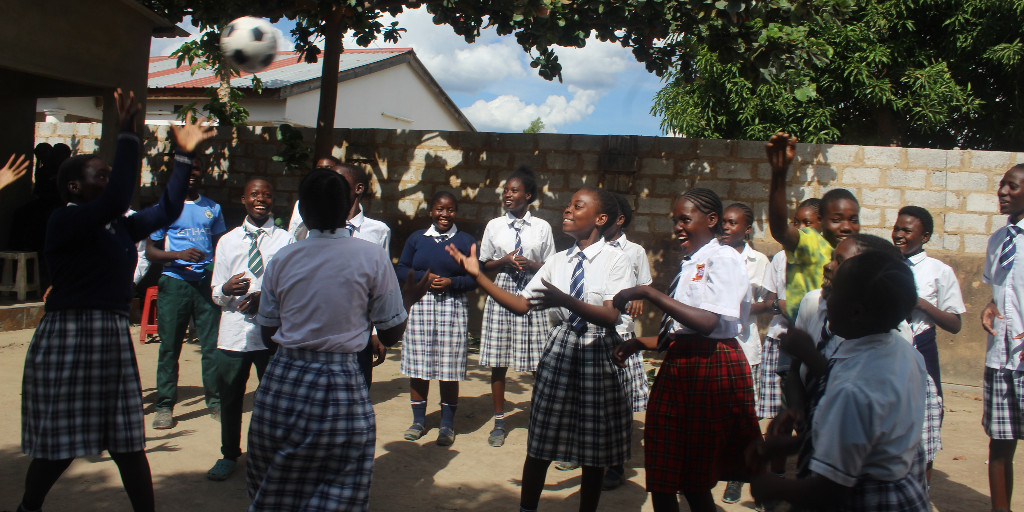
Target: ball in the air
point(249, 43)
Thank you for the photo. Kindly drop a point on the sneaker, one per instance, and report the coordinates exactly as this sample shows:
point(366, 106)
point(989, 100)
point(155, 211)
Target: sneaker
point(164, 419)
point(566, 465)
point(445, 436)
point(221, 470)
point(613, 478)
point(414, 432)
point(497, 436)
point(733, 491)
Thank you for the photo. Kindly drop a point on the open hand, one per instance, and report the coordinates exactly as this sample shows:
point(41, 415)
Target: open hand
point(10, 172)
point(550, 297)
point(781, 150)
point(413, 290)
point(237, 285)
point(188, 136)
point(127, 110)
point(989, 314)
point(468, 263)
point(622, 299)
point(635, 308)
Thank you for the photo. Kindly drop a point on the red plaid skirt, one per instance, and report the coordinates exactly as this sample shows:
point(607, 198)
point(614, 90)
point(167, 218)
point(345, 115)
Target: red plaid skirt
point(700, 418)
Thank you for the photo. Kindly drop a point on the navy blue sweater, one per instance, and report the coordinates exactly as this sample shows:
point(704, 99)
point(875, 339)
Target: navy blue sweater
point(423, 252)
point(90, 248)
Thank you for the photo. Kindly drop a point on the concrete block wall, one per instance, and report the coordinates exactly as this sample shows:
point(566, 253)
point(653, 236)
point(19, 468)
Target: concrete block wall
point(957, 186)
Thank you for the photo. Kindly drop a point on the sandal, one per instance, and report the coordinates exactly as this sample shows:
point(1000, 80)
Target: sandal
point(221, 470)
point(497, 437)
point(445, 436)
point(415, 432)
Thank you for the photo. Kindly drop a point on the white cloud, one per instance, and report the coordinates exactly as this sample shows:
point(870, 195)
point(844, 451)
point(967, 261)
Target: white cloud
point(595, 66)
point(508, 113)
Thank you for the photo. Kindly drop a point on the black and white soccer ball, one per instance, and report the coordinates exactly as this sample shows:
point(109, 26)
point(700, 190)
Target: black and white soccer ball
point(249, 43)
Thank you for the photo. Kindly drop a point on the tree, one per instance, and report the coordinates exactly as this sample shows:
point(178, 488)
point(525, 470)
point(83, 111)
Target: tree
point(650, 28)
point(536, 126)
point(926, 73)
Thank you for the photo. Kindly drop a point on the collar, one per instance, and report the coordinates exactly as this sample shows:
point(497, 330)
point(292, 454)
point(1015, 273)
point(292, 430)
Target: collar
point(248, 227)
point(917, 258)
point(857, 346)
point(357, 220)
point(705, 251)
point(619, 242)
point(748, 252)
point(509, 218)
point(590, 252)
point(189, 201)
point(338, 233)
point(1019, 224)
point(433, 232)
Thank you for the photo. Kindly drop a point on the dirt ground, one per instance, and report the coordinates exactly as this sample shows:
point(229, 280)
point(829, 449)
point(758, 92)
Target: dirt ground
point(418, 476)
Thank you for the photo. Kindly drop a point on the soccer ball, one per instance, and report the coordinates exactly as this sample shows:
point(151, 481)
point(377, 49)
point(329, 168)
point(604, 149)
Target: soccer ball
point(249, 43)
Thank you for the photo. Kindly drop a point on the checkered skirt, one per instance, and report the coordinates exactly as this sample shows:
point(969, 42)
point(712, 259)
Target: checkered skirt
point(769, 393)
point(510, 340)
point(931, 432)
point(701, 416)
point(908, 494)
point(81, 392)
point(312, 435)
point(434, 346)
point(580, 409)
point(636, 377)
point(1003, 417)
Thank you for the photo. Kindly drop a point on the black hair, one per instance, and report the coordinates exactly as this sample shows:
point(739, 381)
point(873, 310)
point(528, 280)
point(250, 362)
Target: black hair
point(881, 282)
point(443, 193)
point(72, 169)
point(625, 209)
point(257, 178)
point(748, 214)
point(813, 203)
point(524, 173)
point(609, 206)
point(359, 174)
point(707, 202)
point(871, 243)
point(324, 200)
point(334, 160)
point(922, 215)
point(834, 195)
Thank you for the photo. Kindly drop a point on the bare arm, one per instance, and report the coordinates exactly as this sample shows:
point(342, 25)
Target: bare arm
point(781, 150)
point(944, 319)
point(155, 253)
point(702, 321)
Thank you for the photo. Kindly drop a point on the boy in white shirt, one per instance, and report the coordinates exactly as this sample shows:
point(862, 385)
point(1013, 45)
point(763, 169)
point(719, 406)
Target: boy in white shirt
point(241, 256)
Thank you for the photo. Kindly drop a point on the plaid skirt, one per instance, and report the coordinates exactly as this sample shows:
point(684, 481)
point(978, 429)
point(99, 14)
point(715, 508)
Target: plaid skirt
point(510, 340)
point(1003, 416)
point(701, 416)
point(312, 435)
point(908, 494)
point(931, 433)
point(81, 392)
point(580, 409)
point(434, 345)
point(639, 387)
point(769, 392)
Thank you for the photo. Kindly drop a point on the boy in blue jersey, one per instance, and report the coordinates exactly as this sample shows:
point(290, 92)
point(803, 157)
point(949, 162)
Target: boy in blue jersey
point(186, 249)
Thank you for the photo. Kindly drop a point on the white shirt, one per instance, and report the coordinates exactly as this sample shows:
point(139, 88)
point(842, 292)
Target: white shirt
point(142, 266)
point(775, 282)
point(868, 423)
point(1008, 293)
point(538, 243)
point(936, 283)
point(755, 264)
point(432, 232)
point(362, 227)
point(238, 332)
point(605, 273)
point(326, 291)
point(714, 279)
point(640, 274)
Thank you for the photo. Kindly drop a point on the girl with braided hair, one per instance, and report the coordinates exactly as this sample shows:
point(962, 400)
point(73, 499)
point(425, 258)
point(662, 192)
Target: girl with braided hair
point(701, 412)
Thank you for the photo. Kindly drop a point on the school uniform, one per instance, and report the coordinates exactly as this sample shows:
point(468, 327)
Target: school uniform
point(183, 293)
point(510, 340)
point(434, 345)
point(312, 435)
point(640, 275)
point(580, 410)
point(1003, 417)
point(769, 393)
point(866, 426)
point(936, 283)
point(360, 226)
point(755, 263)
point(701, 415)
point(247, 250)
point(81, 392)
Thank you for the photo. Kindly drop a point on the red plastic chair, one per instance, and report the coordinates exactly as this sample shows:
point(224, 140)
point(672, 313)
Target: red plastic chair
point(148, 316)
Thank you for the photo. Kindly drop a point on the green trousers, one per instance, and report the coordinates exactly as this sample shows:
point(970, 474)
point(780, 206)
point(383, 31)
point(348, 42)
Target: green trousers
point(232, 374)
point(178, 301)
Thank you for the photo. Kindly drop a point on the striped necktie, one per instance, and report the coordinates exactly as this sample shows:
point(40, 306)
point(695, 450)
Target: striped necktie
point(664, 337)
point(351, 228)
point(517, 225)
point(255, 258)
point(1009, 248)
point(518, 276)
point(440, 238)
point(826, 336)
point(576, 290)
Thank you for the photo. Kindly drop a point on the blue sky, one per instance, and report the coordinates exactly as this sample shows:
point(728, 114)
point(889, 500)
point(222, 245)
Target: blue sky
point(604, 90)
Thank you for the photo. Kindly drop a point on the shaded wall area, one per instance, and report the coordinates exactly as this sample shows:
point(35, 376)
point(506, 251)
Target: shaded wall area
point(957, 186)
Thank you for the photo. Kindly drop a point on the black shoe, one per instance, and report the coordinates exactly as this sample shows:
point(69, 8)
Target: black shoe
point(733, 491)
point(613, 478)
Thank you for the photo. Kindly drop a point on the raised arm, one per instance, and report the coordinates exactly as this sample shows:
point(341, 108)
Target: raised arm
point(781, 150)
point(514, 303)
point(12, 171)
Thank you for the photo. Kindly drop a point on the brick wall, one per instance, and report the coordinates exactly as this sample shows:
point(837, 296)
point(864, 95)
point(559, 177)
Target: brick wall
point(957, 186)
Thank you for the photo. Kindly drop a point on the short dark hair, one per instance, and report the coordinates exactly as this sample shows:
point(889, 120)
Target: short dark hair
point(922, 215)
point(813, 203)
point(871, 243)
point(608, 206)
point(834, 195)
point(443, 193)
point(748, 214)
point(707, 202)
point(334, 160)
point(324, 200)
point(881, 282)
point(625, 209)
point(359, 174)
point(70, 170)
point(525, 175)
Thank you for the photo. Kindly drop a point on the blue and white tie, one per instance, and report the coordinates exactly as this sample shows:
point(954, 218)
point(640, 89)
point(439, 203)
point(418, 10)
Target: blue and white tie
point(1009, 248)
point(664, 337)
point(351, 228)
point(576, 290)
point(518, 276)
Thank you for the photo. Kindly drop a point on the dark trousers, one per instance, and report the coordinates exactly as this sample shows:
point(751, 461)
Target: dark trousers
point(178, 301)
point(925, 344)
point(232, 375)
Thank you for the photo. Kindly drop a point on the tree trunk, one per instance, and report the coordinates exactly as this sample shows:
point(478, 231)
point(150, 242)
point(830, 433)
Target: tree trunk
point(324, 144)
